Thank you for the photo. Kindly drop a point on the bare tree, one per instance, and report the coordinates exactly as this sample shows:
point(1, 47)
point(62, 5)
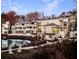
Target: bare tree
point(33, 16)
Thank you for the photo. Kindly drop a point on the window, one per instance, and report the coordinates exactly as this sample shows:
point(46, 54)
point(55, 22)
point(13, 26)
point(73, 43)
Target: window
point(76, 34)
point(65, 24)
point(32, 22)
point(31, 31)
point(6, 28)
point(29, 27)
point(23, 24)
point(39, 29)
point(34, 27)
point(19, 28)
point(39, 24)
point(18, 31)
point(21, 31)
point(55, 30)
point(27, 31)
point(24, 27)
point(15, 28)
point(5, 32)
point(50, 36)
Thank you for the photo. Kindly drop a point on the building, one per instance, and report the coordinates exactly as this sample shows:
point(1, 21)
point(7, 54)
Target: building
point(49, 29)
point(73, 26)
point(53, 28)
point(5, 27)
point(24, 28)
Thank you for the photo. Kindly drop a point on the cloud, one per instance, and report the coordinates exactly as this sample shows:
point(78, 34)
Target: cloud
point(45, 0)
point(15, 7)
point(10, 5)
point(52, 5)
point(20, 8)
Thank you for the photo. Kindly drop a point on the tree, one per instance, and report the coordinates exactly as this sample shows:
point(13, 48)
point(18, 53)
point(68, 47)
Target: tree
point(53, 16)
point(3, 17)
point(33, 16)
point(63, 14)
point(11, 17)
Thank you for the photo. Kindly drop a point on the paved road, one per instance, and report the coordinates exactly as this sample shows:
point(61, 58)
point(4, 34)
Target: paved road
point(31, 47)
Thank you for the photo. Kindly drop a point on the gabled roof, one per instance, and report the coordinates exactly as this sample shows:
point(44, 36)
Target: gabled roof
point(55, 21)
point(51, 24)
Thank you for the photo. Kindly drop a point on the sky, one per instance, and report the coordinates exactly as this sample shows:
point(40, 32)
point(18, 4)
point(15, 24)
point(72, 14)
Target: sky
point(49, 7)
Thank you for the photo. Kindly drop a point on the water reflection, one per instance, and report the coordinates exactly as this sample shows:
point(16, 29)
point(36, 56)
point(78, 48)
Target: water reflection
point(14, 42)
point(4, 43)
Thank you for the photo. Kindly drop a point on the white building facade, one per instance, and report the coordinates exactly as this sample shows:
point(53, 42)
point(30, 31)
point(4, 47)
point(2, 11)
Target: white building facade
point(50, 28)
point(53, 28)
point(5, 27)
point(24, 28)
